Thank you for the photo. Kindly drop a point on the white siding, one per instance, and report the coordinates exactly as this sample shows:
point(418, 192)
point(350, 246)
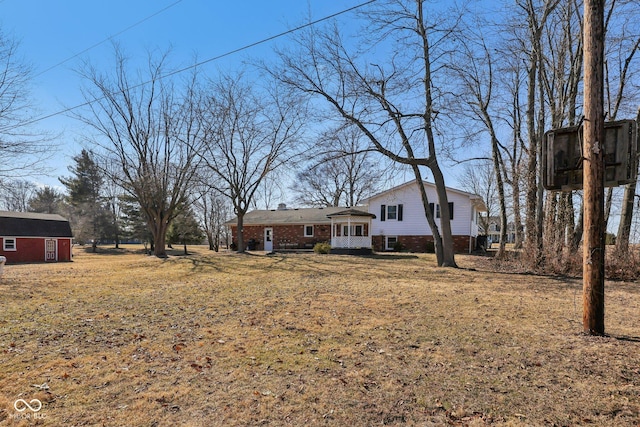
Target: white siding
point(414, 220)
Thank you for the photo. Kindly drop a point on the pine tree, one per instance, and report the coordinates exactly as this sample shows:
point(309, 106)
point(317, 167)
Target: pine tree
point(89, 214)
point(185, 229)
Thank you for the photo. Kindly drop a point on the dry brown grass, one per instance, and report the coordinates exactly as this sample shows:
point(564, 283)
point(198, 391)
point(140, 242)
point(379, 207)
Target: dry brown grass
point(232, 340)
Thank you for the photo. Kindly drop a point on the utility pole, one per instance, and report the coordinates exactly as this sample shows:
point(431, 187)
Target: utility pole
point(593, 156)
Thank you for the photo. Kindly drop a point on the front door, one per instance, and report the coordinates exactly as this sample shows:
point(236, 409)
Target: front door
point(50, 252)
point(268, 239)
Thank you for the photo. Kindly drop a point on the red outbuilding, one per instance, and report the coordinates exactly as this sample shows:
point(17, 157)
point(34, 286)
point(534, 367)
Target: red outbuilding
point(35, 237)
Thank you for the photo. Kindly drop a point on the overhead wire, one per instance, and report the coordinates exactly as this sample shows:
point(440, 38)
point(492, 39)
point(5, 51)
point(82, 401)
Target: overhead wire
point(198, 64)
point(108, 38)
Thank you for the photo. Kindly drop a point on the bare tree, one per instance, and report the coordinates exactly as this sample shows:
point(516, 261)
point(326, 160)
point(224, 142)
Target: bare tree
point(22, 150)
point(535, 14)
point(248, 134)
point(479, 178)
point(213, 210)
point(149, 129)
point(16, 194)
point(344, 175)
point(622, 59)
point(392, 102)
point(476, 75)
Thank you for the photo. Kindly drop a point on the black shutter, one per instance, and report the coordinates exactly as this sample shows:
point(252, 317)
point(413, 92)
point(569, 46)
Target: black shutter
point(383, 212)
point(431, 207)
point(399, 212)
point(450, 210)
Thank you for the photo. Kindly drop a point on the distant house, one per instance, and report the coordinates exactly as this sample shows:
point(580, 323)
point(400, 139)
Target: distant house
point(402, 223)
point(493, 230)
point(35, 237)
point(284, 228)
point(347, 229)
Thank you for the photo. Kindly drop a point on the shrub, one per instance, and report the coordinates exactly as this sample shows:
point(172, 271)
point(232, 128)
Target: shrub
point(398, 246)
point(431, 247)
point(322, 248)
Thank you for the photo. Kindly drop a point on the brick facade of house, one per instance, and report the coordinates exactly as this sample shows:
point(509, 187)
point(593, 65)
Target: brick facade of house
point(424, 243)
point(285, 236)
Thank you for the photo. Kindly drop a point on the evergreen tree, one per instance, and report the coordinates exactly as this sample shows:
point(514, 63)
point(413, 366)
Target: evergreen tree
point(90, 217)
point(46, 200)
point(185, 229)
point(134, 223)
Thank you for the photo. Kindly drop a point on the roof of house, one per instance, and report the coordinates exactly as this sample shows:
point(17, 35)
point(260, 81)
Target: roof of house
point(352, 212)
point(29, 224)
point(291, 216)
point(475, 199)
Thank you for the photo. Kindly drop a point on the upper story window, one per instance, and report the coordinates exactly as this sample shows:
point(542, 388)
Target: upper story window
point(437, 209)
point(391, 212)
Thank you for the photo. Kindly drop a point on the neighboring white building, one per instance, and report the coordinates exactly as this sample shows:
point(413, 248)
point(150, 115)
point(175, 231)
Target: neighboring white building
point(401, 221)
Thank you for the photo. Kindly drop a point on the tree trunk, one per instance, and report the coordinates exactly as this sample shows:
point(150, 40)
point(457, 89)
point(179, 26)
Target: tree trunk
point(159, 232)
point(626, 217)
point(210, 240)
point(435, 231)
point(448, 250)
point(241, 248)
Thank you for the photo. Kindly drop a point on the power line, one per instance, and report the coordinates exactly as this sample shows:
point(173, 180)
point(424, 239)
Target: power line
point(108, 38)
point(215, 58)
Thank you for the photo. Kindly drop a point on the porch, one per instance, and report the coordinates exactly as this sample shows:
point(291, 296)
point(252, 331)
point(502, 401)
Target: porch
point(350, 232)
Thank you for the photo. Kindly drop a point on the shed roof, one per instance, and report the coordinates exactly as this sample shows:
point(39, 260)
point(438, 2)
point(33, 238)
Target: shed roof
point(290, 216)
point(29, 224)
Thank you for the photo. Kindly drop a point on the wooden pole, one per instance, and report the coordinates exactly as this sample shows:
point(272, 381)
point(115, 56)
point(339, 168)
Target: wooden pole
point(593, 153)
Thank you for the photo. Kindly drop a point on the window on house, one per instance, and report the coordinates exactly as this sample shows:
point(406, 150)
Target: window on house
point(357, 230)
point(345, 230)
point(391, 242)
point(392, 212)
point(308, 231)
point(9, 244)
point(437, 209)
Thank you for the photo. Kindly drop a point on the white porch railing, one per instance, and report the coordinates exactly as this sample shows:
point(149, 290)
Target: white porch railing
point(351, 242)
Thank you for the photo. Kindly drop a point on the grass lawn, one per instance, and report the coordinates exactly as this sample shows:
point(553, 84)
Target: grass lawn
point(124, 339)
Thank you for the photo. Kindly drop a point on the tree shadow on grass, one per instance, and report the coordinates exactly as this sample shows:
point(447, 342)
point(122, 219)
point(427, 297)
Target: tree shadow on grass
point(625, 338)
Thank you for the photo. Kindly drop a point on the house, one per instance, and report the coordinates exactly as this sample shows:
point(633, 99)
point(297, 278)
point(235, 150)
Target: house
point(393, 219)
point(35, 237)
point(347, 229)
point(284, 228)
point(402, 223)
point(493, 230)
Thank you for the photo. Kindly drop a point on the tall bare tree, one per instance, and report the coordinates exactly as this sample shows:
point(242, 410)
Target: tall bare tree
point(248, 134)
point(22, 150)
point(340, 172)
point(391, 96)
point(147, 125)
point(476, 74)
point(16, 194)
point(479, 178)
point(213, 210)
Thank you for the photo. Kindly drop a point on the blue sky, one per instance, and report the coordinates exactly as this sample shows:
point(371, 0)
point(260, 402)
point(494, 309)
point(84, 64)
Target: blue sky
point(50, 32)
